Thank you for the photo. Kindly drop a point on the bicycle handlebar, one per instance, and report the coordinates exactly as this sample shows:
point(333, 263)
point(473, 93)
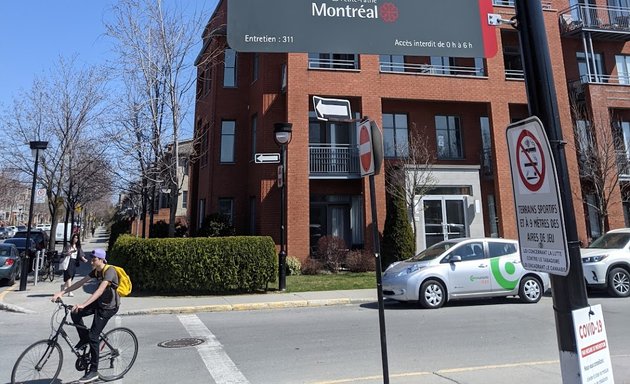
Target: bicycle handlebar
point(64, 305)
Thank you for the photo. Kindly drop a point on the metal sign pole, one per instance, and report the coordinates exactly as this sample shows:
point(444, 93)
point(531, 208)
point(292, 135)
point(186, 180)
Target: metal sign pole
point(568, 292)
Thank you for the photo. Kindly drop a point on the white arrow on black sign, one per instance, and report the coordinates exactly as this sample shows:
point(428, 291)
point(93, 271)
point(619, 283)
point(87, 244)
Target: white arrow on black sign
point(267, 158)
point(332, 109)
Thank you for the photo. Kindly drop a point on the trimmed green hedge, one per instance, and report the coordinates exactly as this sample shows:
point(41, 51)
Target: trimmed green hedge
point(197, 265)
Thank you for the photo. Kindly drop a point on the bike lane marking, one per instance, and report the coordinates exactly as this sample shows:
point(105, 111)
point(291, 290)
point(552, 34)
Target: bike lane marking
point(221, 367)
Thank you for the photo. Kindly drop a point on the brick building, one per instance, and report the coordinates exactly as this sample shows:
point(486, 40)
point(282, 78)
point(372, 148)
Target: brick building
point(460, 105)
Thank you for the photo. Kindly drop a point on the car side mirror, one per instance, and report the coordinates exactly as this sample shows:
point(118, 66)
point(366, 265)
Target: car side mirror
point(455, 259)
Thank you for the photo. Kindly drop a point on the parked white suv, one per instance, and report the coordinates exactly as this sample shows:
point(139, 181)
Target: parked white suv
point(606, 262)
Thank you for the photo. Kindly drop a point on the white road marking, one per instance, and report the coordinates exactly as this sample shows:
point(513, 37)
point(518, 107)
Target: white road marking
point(218, 363)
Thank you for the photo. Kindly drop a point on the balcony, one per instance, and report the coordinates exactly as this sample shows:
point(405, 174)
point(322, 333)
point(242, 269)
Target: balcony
point(334, 161)
point(335, 62)
point(432, 70)
point(514, 74)
point(601, 22)
point(546, 4)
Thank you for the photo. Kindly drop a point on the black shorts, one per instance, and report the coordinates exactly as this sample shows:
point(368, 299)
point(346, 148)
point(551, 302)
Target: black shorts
point(68, 274)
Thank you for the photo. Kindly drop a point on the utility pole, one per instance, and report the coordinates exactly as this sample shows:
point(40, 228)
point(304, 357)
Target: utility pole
point(568, 292)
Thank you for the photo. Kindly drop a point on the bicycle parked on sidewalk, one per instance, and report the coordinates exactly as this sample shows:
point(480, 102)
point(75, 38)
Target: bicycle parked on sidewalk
point(47, 268)
point(42, 361)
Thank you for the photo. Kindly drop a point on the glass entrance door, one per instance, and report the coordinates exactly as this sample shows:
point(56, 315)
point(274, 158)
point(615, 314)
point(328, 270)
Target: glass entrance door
point(444, 218)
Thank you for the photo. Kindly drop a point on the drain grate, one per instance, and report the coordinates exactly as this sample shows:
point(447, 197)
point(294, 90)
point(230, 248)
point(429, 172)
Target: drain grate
point(181, 343)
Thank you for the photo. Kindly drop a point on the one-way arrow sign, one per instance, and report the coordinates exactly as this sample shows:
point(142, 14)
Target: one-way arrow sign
point(267, 158)
point(332, 109)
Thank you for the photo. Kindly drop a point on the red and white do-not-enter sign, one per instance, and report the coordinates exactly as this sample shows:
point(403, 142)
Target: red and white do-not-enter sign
point(531, 160)
point(365, 148)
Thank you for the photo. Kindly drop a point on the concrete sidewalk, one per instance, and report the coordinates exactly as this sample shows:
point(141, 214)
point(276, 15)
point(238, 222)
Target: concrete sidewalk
point(36, 298)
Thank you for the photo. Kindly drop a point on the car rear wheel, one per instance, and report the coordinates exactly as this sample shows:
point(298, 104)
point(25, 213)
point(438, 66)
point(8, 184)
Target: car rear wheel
point(619, 282)
point(530, 290)
point(432, 294)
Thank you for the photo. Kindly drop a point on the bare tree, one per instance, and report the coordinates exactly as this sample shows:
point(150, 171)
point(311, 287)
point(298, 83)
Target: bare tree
point(156, 44)
point(603, 158)
point(62, 108)
point(410, 176)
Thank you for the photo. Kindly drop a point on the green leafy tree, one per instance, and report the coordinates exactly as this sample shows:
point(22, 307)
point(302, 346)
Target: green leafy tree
point(398, 239)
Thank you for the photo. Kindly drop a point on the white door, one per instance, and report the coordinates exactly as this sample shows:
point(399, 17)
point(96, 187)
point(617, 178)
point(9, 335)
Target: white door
point(444, 218)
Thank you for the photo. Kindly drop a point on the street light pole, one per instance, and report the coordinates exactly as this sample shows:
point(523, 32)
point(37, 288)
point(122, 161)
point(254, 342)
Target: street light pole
point(282, 136)
point(35, 146)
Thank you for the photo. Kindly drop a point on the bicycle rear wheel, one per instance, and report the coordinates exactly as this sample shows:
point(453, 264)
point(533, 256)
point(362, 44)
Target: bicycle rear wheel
point(39, 363)
point(118, 354)
point(51, 271)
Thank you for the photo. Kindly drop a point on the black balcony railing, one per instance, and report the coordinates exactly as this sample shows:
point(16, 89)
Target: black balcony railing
point(334, 160)
point(432, 69)
point(603, 22)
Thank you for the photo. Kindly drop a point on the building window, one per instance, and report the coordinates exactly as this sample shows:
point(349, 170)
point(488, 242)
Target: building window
point(395, 135)
point(392, 63)
point(184, 199)
point(201, 213)
point(228, 132)
point(449, 137)
point(588, 73)
point(333, 61)
point(229, 71)
point(207, 79)
point(255, 67)
point(226, 208)
point(254, 125)
point(584, 139)
point(204, 136)
point(623, 68)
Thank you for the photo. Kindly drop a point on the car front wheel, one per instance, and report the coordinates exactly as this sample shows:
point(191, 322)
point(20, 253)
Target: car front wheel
point(530, 290)
point(432, 294)
point(619, 282)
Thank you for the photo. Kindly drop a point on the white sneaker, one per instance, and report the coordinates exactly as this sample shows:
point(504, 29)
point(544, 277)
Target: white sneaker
point(70, 294)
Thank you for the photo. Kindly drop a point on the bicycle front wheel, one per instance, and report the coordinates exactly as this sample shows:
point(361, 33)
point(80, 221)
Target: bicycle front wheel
point(39, 363)
point(118, 350)
point(51, 272)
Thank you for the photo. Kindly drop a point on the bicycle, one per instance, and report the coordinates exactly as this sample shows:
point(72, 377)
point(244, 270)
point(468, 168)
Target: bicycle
point(42, 360)
point(47, 269)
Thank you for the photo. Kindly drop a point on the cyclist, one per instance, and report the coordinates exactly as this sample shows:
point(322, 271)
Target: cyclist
point(103, 304)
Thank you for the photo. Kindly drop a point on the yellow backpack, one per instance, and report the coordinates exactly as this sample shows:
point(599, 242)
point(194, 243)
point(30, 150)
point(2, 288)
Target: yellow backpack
point(124, 282)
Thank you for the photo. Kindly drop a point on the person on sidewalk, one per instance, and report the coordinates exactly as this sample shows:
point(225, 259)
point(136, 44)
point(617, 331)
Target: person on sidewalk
point(103, 304)
point(72, 254)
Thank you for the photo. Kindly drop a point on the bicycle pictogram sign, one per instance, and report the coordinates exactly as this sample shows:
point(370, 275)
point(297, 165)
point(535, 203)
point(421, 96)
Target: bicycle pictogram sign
point(530, 161)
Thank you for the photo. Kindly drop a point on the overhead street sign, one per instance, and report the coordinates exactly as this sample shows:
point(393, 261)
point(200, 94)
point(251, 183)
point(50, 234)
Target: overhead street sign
point(264, 158)
point(539, 217)
point(332, 109)
point(455, 28)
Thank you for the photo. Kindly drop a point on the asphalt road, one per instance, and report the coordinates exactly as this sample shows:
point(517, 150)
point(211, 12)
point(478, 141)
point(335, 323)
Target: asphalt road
point(465, 342)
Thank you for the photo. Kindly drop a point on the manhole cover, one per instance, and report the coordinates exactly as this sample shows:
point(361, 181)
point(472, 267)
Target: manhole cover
point(181, 343)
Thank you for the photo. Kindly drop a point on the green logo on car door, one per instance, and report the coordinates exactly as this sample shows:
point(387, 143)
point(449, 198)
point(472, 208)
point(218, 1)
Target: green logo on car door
point(501, 278)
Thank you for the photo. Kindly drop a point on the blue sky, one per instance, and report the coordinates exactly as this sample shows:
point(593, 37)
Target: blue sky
point(34, 33)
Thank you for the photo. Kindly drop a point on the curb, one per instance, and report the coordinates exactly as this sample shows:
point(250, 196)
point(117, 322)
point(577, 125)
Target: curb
point(244, 306)
point(10, 307)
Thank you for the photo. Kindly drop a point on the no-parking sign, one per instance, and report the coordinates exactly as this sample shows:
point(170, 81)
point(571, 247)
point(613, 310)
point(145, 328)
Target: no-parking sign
point(539, 218)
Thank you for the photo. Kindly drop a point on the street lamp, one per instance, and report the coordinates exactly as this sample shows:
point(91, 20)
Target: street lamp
point(282, 136)
point(36, 146)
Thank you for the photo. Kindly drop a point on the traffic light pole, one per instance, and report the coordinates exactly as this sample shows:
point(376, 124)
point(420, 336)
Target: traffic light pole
point(568, 292)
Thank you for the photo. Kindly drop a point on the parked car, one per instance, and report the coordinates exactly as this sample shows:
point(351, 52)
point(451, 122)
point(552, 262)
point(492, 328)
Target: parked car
point(11, 231)
point(21, 228)
point(40, 237)
point(606, 262)
point(43, 227)
point(10, 263)
point(20, 244)
point(4, 233)
point(464, 268)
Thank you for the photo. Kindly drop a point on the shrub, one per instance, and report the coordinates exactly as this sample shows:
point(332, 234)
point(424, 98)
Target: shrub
point(160, 229)
point(312, 267)
point(118, 227)
point(359, 260)
point(197, 265)
point(332, 252)
point(294, 266)
point(216, 225)
point(398, 240)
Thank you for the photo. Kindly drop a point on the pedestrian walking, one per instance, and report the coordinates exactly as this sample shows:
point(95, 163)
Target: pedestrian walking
point(72, 255)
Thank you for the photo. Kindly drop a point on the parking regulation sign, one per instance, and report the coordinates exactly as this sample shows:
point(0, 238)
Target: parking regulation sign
point(539, 218)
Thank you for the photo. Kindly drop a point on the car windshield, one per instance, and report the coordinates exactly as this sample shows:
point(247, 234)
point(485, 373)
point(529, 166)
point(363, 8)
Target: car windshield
point(611, 241)
point(434, 251)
